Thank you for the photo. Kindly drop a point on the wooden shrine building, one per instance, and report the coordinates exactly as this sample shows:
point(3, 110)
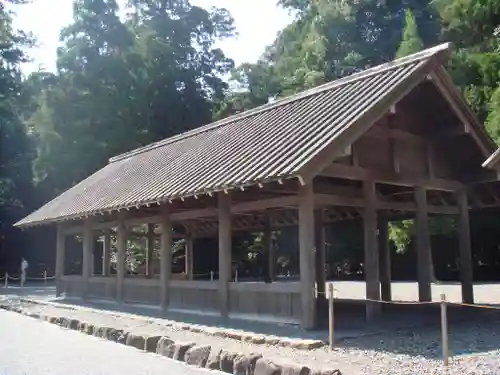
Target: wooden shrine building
point(393, 141)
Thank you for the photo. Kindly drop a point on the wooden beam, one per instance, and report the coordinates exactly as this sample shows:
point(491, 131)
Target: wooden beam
point(397, 134)
point(358, 173)
point(339, 200)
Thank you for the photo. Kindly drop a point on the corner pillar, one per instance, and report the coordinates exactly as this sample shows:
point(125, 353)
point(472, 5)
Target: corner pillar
point(269, 250)
point(88, 244)
point(307, 255)
point(224, 213)
point(189, 258)
point(121, 249)
point(423, 246)
point(149, 250)
point(320, 261)
point(60, 258)
point(106, 252)
point(466, 269)
point(385, 259)
point(372, 276)
point(165, 258)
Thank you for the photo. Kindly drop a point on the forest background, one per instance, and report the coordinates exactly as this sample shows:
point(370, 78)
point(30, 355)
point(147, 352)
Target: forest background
point(126, 81)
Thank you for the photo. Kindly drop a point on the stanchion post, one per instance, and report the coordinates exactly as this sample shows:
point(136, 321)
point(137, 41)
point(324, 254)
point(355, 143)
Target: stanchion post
point(211, 275)
point(444, 330)
point(45, 277)
point(331, 317)
point(6, 279)
point(236, 276)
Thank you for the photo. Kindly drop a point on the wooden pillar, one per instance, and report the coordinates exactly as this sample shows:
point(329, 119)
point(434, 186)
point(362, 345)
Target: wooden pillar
point(224, 213)
point(121, 249)
point(269, 250)
point(88, 244)
point(466, 269)
point(372, 277)
point(165, 258)
point(423, 246)
point(106, 252)
point(149, 250)
point(307, 255)
point(60, 255)
point(189, 258)
point(385, 259)
point(320, 261)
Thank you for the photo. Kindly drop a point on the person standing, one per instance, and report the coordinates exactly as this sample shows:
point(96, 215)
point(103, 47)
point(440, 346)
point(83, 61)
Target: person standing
point(24, 268)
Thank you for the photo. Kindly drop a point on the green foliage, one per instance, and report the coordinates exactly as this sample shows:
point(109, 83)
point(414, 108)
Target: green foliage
point(411, 42)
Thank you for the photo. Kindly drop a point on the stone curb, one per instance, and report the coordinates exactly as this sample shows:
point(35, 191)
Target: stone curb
point(238, 335)
point(194, 355)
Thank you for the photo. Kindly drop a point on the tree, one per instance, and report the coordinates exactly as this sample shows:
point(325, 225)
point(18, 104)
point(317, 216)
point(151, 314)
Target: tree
point(15, 146)
point(124, 84)
point(411, 42)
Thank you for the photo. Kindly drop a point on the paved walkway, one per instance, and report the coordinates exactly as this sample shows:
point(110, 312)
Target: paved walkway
point(38, 348)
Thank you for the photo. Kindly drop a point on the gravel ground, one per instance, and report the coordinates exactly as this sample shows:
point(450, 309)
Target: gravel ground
point(475, 345)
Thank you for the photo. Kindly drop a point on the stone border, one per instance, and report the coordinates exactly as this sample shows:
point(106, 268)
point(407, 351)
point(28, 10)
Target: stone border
point(195, 355)
point(238, 335)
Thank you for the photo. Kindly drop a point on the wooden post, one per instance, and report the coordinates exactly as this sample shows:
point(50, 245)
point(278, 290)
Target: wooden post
point(444, 330)
point(307, 255)
point(106, 252)
point(121, 249)
point(211, 275)
point(423, 246)
point(372, 277)
point(385, 259)
point(150, 239)
point(189, 258)
point(269, 250)
point(165, 257)
point(224, 213)
point(45, 277)
point(60, 255)
point(320, 260)
point(466, 270)
point(331, 316)
point(88, 244)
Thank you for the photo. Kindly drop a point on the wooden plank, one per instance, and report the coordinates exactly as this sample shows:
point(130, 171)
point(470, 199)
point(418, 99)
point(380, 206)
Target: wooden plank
point(386, 177)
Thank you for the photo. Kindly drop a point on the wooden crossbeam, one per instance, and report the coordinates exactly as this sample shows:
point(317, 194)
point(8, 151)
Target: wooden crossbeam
point(358, 173)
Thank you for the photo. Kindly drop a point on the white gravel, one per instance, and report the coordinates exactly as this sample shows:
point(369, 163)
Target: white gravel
point(475, 345)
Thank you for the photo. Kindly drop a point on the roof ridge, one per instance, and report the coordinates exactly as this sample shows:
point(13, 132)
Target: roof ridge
point(425, 54)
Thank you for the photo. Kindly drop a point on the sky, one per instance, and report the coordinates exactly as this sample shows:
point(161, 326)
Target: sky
point(257, 23)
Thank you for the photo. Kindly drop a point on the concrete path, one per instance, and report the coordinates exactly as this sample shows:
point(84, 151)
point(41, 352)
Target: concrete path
point(34, 347)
